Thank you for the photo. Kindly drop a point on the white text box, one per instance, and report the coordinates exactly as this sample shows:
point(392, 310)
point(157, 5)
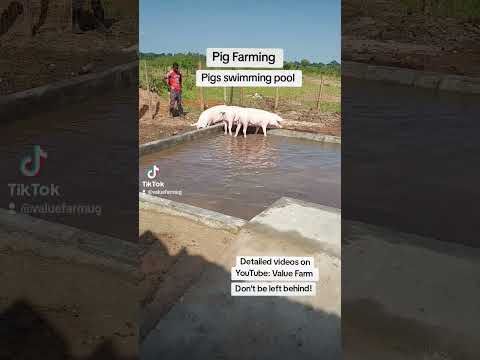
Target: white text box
point(273, 289)
point(249, 78)
point(245, 57)
point(274, 273)
point(259, 260)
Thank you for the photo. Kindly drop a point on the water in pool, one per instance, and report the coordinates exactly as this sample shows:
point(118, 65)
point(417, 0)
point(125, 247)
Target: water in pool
point(243, 176)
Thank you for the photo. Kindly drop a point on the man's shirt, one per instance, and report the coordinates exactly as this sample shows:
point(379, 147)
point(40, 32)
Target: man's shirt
point(174, 80)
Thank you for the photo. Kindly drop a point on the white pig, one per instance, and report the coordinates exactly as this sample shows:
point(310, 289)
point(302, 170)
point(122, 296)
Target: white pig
point(258, 118)
point(230, 117)
point(209, 116)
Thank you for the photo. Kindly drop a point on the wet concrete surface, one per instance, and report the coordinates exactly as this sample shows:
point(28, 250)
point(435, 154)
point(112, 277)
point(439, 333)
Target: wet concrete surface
point(409, 159)
point(92, 150)
point(243, 176)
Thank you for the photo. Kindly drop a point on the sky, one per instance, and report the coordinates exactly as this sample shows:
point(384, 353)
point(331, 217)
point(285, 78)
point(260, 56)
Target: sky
point(305, 29)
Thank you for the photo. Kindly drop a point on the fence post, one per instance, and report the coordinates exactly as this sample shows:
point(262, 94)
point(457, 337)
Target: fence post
point(28, 25)
point(148, 90)
point(241, 96)
point(200, 90)
point(275, 107)
point(225, 95)
point(231, 96)
point(320, 93)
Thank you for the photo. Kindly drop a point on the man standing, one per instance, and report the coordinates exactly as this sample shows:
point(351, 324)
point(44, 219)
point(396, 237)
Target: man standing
point(174, 82)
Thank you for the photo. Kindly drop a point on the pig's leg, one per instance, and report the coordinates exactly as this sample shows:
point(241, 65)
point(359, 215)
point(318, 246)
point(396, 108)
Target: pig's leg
point(264, 128)
point(256, 130)
point(230, 124)
point(225, 127)
point(245, 131)
point(238, 129)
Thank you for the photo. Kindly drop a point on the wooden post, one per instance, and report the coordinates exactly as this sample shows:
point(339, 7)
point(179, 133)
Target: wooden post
point(200, 90)
point(148, 90)
point(28, 25)
point(231, 96)
point(241, 96)
point(275, 107)
point(225, 95)
point(320, 93)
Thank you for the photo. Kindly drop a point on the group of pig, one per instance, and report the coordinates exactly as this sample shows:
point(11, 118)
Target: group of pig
point(240, 117)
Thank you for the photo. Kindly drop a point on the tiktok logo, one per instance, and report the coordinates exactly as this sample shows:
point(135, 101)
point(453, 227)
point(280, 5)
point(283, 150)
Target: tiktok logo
point(153, 172)
point(30, 165)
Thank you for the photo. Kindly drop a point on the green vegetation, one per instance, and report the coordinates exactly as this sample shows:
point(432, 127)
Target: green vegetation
point(465, 9)
point(306, 96)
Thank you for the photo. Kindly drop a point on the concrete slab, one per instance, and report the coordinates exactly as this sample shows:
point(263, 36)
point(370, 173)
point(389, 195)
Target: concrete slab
point(208, 217)
point(301, 220)
point(418, 78)
point(52, 240)
point(25, 103)
point(171, 141)
point(306, 135)
point(408, 296)
point(208, 323)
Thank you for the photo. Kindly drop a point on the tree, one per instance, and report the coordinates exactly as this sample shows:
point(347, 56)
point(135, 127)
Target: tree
point(305, 62)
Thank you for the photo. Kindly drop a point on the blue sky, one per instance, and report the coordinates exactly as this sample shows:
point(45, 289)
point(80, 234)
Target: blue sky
point(307, 29)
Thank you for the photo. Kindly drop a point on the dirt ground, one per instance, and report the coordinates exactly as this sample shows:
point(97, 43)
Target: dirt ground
point(50, 56)
point(163, 125)
point(52, 308)
point(383, 33)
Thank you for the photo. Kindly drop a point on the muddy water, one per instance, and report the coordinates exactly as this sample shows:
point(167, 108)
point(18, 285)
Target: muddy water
point(243, 176)
point(410, 159)
point(92, 157)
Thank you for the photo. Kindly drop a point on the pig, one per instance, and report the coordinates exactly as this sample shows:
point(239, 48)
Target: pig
point(209, 116)
point(230, 117)
point(258, 118)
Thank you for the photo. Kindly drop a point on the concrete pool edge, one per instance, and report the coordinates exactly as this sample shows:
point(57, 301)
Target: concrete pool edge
point(207, 217)
point(171, 141)
point(410, 77)
point(306, 135)
point(327, 218)
point(55, 240)
point(300, 220)
point(165, 143)
point(27, 102)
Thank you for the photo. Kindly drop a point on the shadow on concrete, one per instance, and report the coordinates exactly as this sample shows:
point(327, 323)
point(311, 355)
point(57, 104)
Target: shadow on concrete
point(368, 329)
point(197, 318)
